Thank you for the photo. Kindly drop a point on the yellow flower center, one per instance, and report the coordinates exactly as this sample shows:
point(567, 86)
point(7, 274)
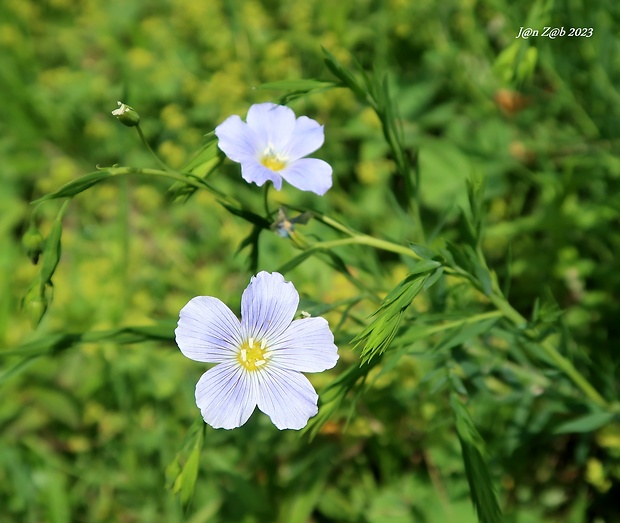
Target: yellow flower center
point(271, 160)
point(252, 354)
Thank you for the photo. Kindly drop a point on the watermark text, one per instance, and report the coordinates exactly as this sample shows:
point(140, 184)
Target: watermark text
point(555, 32)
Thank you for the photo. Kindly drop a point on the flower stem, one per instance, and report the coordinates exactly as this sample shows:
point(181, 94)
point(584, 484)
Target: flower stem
point(363, 239)
point(146, 143)
point(464, 321)
point(268, 213)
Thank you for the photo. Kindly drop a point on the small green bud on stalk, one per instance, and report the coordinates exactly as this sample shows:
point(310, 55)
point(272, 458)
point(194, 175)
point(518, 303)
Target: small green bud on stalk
point(127, 115)
point(33, 243)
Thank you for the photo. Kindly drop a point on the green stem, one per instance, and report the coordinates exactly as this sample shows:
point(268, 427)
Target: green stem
point(188, 178)
point(367, 240)
point(268, 213)
point(464, 321)
point(336, 225)
point(146, 143)
point(124, 241)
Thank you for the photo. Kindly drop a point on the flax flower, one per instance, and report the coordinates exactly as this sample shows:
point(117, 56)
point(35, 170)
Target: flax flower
point(272, 145)
point(260, 359)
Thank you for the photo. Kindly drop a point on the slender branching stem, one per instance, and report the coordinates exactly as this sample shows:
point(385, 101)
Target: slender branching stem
point(146, 144)
point(499, 301)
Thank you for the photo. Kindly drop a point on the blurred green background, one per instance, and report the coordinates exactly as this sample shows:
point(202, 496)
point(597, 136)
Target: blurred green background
point(87, 434)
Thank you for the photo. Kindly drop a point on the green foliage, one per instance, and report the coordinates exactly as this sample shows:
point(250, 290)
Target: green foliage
point(382, 330)
point(51, 252)
point(468, 249)
point(182, 473)
point(474, 458)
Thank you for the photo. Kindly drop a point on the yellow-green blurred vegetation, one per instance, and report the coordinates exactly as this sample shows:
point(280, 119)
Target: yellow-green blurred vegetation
point(88, 432)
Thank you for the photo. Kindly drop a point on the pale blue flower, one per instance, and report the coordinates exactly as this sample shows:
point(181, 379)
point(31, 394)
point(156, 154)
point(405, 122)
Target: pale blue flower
point(272, 146)
point(260, 359)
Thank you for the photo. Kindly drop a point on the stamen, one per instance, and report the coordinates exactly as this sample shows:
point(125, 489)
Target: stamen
point(252, 354)
point(272, 160)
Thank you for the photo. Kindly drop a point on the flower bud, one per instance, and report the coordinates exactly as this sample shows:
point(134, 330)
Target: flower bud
point(126, 115)
point(32, 244)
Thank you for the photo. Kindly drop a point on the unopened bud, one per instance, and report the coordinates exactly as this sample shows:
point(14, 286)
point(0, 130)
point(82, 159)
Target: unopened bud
point(126, 115)
point(32, 243)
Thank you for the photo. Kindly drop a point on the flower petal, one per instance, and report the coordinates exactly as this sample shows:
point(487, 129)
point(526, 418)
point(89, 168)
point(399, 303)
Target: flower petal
point(306, 346)
point(226, 396)
point(253, 171)
point(287, 397)
point(268, 306)
point(273, 124)
point(309, 174)
point(307, 136)
point(208, 330)
point(237, 140)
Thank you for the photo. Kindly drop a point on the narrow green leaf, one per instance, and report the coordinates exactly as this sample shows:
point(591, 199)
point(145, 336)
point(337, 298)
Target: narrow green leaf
point(474, 458)
point(536, 310)
point(456, 254)
point(206, 154)
point(341, 73)
point(77, 186)
point(587, 423)
point(424, 266)
point(88, 180)
point(476, 187)
point(296, 260)
point(296, 85)
point(208, 159)
point(15, 369)
point(52, 251)
point(54, 343)
point(251, 240)
point(182, 472)
point(371, 82)
point(378, 335)
point(189, 474)
point(423, 252)
point(448, 256)
point(248, 216)
point(464, 333)
point(433, 278)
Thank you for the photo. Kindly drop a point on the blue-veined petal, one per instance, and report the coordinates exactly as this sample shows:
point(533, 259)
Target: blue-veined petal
point(237, 140)
point(287, 397)
point(226, 395)
point(272, 124)
point(268, 306)
point(307, 345)
point(307, 136)
point(208, 331)
point(254, 171)
point(271, 146)
point(309, 174)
